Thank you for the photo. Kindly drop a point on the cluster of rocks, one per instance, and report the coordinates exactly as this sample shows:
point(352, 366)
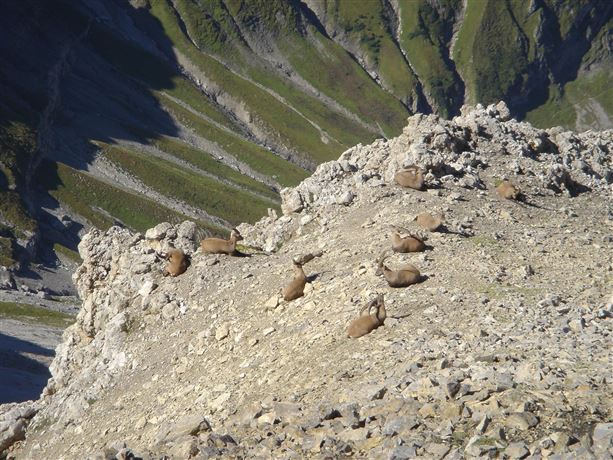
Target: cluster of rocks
point(502, 351)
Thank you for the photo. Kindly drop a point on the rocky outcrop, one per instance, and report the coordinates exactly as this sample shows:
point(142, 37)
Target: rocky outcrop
point(454, 152)
point(501, 350)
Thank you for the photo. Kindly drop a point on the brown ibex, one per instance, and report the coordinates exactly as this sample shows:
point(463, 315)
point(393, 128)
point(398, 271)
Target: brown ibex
point(403, 277)
point(411, 243)
point(295, 288)
point(367, 323)
point(429, 222)
point(411, 177)
point(177, 262)
point(508, 191)
point(221, 246)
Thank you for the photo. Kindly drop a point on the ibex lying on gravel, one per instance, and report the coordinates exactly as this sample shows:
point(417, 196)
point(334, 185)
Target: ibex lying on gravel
point(429, 222)
point(221, 246)
point(366, 323)
point(411, 177)
point(295, 288)
point(177, 262)
point(508, 190)
point(411, 243)
point(403, 277)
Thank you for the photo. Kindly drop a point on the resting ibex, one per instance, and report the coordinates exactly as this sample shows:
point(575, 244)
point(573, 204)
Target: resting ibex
point(411, 177)
point(403, 277)
point(221, 246)
point(508, 190)
point(411, 243)
point(177, 262)
point(295, 288)
point(366, 323)
point(429, 222)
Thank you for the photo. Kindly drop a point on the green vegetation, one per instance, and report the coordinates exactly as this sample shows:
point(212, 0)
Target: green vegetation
point(464, 47)
point(207, 163)
point(67, 252)
point(286, 126)
point(578, 104)
point(214, 197)
point(212, 29)
point(34, 314)
point(346, 82)
point(423, 29)
point(367, 24)
point(103, 204)
point(253, 155)
point(155, 73)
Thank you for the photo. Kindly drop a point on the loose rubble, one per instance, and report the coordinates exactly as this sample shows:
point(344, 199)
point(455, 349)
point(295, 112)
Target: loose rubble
point(502, 351)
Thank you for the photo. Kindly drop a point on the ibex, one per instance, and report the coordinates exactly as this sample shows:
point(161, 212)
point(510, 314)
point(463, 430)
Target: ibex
point(429, 222)
point(411, 177)
point(403, 277)
point(366, 323)
point(221, 246)
point(411, 243)
point(177, 262)
point(295, 288)
point(508, 190)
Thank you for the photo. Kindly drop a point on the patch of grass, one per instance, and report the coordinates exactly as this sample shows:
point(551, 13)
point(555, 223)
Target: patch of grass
point(35, 315)
point(367, 24)
point(346, 82)
point(258, 158)
point(207, 163)
point(216, 198)
point(577, 103)
point(344, 130)
point(7, 251)
point(483, 240)
point(96, 200)
point(12, 210)
point(463, 50)
point(67, 252)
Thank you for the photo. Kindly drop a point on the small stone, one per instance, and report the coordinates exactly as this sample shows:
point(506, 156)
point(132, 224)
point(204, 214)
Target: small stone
point(521, 420)
point(222, 332)
point(452, 388)
point(577, 325)
point(272, 303)
point(437, 451)
point(483, 424)
point(403, 453)
point(517, 450)
point(268, 331)
point(346, 198)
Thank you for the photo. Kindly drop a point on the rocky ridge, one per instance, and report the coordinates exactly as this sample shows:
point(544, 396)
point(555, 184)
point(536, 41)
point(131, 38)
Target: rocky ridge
point(503, 350)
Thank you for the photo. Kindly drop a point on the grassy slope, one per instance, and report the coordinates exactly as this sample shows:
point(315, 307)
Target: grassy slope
point(36, 315)
point(422, 29)
point(563, 103)
point(463, 50)
point(214, 197)
point(255, 156)
point(86, 196)
point(17, 142)
point(206, 162)
point(283, 125)
point(365, 23)
point(213, 29)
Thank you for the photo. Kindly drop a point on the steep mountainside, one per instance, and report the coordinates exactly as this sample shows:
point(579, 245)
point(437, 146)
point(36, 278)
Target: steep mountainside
point(501, 350)
point(149, 110)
